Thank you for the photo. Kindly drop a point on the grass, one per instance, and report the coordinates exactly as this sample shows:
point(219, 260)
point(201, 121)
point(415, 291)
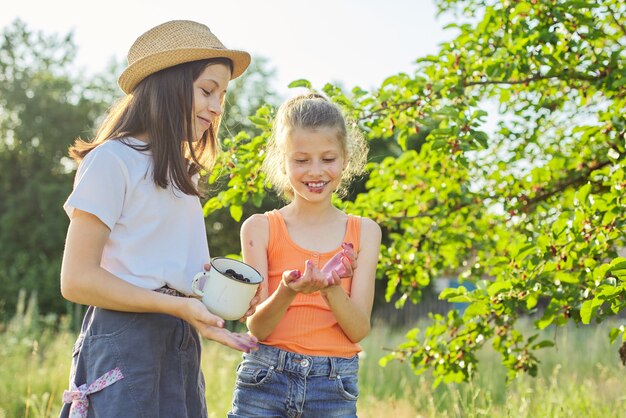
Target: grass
point(582, 376)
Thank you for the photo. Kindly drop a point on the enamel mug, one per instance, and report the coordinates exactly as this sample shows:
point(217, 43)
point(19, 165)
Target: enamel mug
point(227, 288)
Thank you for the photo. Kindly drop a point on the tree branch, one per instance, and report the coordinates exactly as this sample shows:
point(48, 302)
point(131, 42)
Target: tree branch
point(616, 20)
point(538, 77)
point(528, 204)
point(560, 187)
point(399, 106)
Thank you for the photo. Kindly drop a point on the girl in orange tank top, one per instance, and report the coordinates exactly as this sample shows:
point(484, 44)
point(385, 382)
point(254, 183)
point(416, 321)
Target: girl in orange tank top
point(311, 317)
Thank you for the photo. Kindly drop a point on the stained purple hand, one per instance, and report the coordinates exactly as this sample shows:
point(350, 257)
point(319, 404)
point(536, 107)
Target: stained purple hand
point(336, 263)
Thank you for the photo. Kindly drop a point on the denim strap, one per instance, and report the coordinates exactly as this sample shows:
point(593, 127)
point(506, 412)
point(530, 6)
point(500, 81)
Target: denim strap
point(333, 367)
point(282, 354)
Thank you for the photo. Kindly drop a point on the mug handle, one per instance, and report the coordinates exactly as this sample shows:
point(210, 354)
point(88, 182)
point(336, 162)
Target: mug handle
point(194, 283)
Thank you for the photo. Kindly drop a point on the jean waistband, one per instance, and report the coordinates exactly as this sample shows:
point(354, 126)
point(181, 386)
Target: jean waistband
point(169, 291)
point(283, 360)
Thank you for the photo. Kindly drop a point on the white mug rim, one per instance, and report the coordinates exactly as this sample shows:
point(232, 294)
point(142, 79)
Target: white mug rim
point(232, 278)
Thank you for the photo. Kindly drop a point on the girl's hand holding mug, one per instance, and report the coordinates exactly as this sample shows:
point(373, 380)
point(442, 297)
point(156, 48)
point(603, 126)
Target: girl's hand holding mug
point(253, 304)
point(211, 326)
point(228, 288)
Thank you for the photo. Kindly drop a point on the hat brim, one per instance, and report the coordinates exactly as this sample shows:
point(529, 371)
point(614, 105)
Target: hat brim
point(146, 66)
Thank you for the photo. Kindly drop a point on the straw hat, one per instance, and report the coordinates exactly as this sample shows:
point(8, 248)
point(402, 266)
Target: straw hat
point(172, 43)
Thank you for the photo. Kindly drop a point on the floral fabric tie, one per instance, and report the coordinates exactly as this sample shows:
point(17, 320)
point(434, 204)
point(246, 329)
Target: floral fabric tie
point(78, 396)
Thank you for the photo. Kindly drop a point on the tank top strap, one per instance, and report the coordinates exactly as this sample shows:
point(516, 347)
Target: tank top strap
point(354, 231)
point(275, 222)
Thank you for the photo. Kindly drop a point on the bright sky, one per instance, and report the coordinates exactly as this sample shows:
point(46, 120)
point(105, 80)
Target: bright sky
point(352, 42)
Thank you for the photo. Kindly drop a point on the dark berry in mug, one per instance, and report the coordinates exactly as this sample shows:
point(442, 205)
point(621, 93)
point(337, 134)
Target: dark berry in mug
point(234, 275)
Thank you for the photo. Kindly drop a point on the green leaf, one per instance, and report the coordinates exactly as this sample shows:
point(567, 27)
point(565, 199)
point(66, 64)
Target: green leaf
point(583, 193)
point(482, 138)
point(586, 311)
point(565, 277)
point(549, 314)
point(549, 266)
point(619, 273)
point(474, 309)
point(545, 321)
point(401, 139)
point(559, 226)
point(300, 83)
point(358, 92)
point(498, 286)
point(482, 26)
point(412, 211)
point(441, 132)
point(600, 272)
point(450, 111)
point(608, 217)
point(480, 114)
point(450, 292)
point(615, 332)
point(543, 344)
point(211, 205)
point(259, 122)
point(385, 360)
point(531, 301)
point(460, 299)
point(236, 211)
point(522, 8)
point(524, 251)
point(257, 199)
point(618, 263)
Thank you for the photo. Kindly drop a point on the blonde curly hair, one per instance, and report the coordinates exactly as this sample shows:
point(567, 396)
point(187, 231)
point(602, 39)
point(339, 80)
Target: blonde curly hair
point(312, 111)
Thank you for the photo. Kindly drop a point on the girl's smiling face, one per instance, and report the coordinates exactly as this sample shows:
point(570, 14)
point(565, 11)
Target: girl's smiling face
point(314, 161)
point(208, 95)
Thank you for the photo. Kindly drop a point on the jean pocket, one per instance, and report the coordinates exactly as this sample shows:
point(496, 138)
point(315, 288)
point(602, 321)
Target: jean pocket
point(348, 386)
point(108, 323)
point(251, 373)
point(183, 333)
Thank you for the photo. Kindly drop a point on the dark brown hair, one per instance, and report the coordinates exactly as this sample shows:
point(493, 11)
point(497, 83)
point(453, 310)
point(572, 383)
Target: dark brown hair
point(161, 106)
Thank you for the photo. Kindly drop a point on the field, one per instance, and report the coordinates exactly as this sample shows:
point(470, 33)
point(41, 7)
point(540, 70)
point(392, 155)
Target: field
point(582, 376)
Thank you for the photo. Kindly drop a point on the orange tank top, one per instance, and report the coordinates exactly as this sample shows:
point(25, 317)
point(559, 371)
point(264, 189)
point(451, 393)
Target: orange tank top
point(309, 326)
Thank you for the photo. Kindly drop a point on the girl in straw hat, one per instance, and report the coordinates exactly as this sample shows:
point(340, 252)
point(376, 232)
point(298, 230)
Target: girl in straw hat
point(137, 237)
point(309, 323)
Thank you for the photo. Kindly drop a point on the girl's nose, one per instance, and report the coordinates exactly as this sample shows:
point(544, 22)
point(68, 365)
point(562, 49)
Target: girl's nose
point(215, 107)
point(315, 168)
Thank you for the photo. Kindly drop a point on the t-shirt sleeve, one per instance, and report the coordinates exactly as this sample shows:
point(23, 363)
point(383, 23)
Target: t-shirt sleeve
point(99, 187)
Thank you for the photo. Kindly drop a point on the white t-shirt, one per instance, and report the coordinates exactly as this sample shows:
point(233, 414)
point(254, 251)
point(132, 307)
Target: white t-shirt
point(158, 236)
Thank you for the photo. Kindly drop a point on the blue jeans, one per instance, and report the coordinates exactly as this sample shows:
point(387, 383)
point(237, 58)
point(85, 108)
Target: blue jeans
point(276, 383)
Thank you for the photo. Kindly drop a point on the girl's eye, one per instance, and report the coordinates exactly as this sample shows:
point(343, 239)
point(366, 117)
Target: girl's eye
point(301, 161)
point(329, 160)
point(206, 92)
